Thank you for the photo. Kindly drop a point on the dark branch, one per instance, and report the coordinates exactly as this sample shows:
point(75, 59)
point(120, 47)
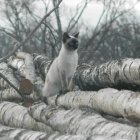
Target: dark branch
point(30, 34)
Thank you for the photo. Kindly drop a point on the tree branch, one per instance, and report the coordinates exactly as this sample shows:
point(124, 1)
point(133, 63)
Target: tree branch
point(30, 34)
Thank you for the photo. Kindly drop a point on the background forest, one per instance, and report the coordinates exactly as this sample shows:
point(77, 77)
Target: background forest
point(115, 35)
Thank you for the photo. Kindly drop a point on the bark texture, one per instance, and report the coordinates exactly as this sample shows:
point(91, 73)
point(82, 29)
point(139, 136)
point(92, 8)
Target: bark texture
point(9, 133)
point(20, 66)
point(82, 122)
point(79, 121)
point(121, 74)
point(29, 65)
point(42, 64)
point(8, 73)
point(10, 94)
point(124, 103)
point(14, 115)
point(20, 134)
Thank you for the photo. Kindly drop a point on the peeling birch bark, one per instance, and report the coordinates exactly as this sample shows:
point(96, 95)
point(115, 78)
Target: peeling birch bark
point(83, 122)
point(121, 74)
point(3, 84)
point(124, 73)
point(29, 65)
point(42, 64)
point(111, 101)
point(10, 94)
point(18, 64)
point(23, 134)
point(8, 73)
point(14, 115)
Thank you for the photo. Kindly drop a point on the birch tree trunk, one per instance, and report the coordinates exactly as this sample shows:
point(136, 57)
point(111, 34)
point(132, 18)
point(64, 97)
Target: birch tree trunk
point(9, 133)
point(8, 73)
point(10, 94)
point(27, 71)
point(20, 134)
point(121, 74)
point(82, 122)
point(14, 115)
point(42, 64)
point(111, 101)
point(23, 134)
point(29, 65)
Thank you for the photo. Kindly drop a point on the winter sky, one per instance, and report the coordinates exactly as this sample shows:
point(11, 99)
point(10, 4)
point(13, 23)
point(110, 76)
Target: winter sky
point(91, 14)
point(89, 17)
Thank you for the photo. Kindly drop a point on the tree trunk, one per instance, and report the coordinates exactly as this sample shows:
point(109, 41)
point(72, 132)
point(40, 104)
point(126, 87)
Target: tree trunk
point(8, 73)
point(81, 122)
point(14, 115)
point(122, 103)
point(121, 74)
point(9, 133)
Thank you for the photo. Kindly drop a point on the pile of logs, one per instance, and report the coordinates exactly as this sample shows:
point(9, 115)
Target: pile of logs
point(106, 105)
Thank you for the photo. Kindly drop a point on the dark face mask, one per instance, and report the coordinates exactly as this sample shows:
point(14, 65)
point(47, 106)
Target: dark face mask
point(71, 42)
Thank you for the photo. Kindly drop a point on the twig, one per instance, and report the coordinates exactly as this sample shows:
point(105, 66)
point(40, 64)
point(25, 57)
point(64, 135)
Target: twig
point(9, 34)
point(30, 34)
point(70, 27)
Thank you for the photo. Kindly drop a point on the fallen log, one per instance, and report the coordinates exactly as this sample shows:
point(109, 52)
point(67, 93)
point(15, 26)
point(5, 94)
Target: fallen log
point(29, 65)
point(8, 73)
point(34, 88)
point(121, 74)
point(20, 134)
point(15, 115)
point(123, 103)
point(9, 133)
point(81, 122)
point(10, 94)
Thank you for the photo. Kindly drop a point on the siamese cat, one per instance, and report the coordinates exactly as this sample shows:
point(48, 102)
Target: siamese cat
point(59, 78)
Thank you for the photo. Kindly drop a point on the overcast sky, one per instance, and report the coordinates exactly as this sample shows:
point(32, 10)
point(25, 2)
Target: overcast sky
point(89, 17)
point(94, 9)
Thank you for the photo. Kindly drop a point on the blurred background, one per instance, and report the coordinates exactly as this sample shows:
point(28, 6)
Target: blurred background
point(109, 29)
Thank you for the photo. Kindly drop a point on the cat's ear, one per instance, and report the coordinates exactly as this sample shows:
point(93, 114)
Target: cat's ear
point(76, 35)
point(65, 37)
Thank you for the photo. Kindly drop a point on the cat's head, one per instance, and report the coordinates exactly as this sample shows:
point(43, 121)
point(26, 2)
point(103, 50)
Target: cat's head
point(71, 41)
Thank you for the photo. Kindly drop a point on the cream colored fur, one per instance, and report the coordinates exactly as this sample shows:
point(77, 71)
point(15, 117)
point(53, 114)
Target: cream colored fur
point(60, 75)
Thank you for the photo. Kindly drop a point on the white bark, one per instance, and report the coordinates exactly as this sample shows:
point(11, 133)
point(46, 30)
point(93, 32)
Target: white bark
point(42, 64)
point(122, 73)
point(3, 84)
point(29, 65)
point(10, 94)
point(82, 122)
point(23, 134)
point(110, 101)
point(14, 115)
point(18, 64)
point(20, 134)
point(8, 73)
